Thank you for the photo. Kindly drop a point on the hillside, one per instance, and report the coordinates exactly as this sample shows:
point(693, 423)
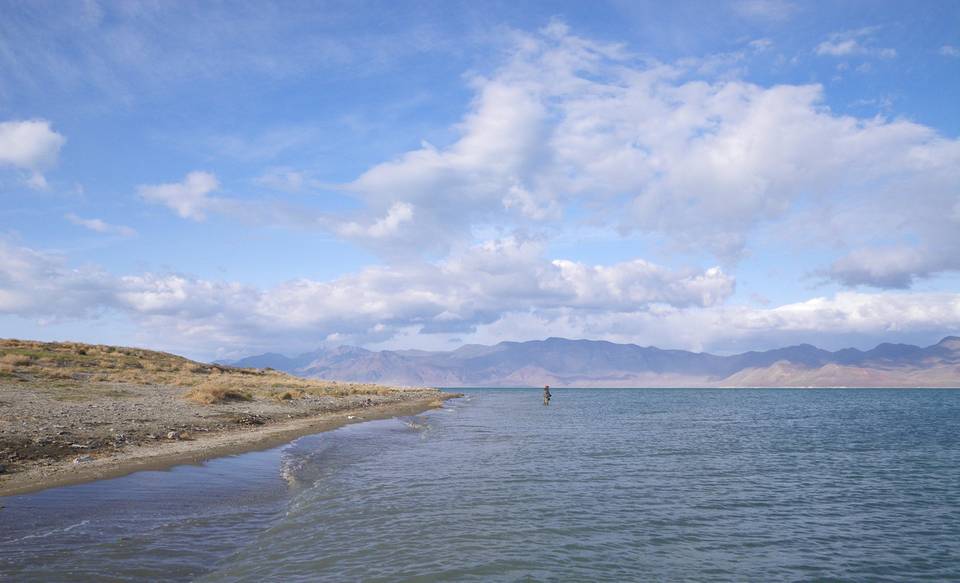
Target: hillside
point(74, 370)
point(587, 363)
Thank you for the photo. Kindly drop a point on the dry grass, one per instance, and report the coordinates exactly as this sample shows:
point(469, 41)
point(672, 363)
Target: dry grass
point(15, 360)
point(83, 365)
point(214, 391)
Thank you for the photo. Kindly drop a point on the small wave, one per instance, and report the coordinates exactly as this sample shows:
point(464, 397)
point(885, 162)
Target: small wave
point(290, 469)
point(48, 533)
point(416, 425)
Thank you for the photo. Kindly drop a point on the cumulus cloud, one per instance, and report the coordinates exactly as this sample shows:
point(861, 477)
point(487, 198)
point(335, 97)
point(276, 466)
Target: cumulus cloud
point(188, 198)
point(100, 226)
point(30, 145)
point(647, 147)
point(690, 160)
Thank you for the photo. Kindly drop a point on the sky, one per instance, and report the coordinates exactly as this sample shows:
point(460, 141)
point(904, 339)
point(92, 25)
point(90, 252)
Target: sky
point(219, 179)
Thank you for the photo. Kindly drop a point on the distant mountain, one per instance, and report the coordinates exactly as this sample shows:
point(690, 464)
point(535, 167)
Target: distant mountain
point(590, 363)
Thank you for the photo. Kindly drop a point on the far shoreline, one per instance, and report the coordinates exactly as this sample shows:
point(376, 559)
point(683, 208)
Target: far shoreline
point(165, 455)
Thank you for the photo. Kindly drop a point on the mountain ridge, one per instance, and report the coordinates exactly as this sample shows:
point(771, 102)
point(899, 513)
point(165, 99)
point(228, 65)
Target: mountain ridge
point(593, 363)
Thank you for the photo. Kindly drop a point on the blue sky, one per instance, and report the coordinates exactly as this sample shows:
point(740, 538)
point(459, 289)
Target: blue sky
point(218, 179)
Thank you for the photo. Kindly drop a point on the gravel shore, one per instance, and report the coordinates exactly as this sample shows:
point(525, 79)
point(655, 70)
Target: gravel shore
point(113, 429)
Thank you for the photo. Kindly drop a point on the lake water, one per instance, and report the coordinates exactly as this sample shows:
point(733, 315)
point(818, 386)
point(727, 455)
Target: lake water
point(602, 485)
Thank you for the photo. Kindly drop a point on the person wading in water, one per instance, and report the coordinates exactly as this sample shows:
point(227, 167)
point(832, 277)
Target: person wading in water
point(546, 395)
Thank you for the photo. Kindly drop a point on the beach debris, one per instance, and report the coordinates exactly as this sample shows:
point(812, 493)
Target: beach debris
point(173, 435)
point(351, 417)
point(83, 459)
point(250, 419)
point(152, 436)
point(79, 446)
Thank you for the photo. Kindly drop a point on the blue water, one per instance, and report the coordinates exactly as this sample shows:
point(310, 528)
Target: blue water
point(602, 485)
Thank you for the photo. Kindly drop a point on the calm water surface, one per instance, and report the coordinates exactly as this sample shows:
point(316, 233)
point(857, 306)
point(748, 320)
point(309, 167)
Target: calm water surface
point(602, 485)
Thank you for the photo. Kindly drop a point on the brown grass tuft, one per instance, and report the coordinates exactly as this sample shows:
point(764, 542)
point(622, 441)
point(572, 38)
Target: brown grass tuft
point(213, 392)
point(289, 395)
point(16, 359)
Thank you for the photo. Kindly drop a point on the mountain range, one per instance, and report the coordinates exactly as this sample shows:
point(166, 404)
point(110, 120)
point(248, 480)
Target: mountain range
point(590, 363)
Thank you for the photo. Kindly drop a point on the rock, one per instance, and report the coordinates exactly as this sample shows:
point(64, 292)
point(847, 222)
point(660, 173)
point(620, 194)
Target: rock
point(152, 436)
point(83, 459)
point(250, 420)
point(173, 435)
point(3, 469)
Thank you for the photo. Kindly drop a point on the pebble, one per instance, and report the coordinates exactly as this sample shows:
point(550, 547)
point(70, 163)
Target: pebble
point(82, 459)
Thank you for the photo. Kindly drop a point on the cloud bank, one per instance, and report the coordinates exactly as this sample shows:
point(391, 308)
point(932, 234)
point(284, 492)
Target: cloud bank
point(499, 287)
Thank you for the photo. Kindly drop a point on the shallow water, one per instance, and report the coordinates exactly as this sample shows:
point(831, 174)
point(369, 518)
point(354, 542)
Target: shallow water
point(602, 485)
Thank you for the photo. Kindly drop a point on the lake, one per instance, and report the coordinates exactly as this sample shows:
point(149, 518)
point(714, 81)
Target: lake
point(602, 485)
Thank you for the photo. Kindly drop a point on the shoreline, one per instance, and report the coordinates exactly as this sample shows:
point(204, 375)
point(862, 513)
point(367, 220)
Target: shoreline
point(167, 454)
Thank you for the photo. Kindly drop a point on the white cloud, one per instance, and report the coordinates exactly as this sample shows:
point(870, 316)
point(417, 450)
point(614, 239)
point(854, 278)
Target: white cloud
point(100, 226)
point(189, 198)
point(853, 42)
point(698, 164)
point(398, 214)
point(837, 320)
point(839, 47)
point(949, 51)
point(30, 145)
point(37, 284)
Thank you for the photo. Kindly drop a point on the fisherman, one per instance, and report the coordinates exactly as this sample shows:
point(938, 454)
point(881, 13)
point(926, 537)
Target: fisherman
point(546, 394)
